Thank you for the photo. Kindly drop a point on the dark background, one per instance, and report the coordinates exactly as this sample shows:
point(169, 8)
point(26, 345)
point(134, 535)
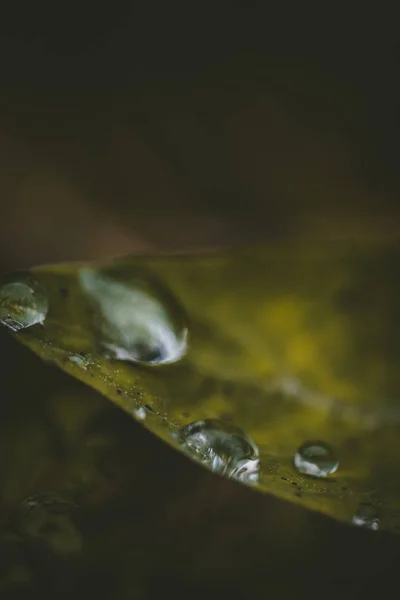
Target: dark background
point(152, 126)
point(144, 126)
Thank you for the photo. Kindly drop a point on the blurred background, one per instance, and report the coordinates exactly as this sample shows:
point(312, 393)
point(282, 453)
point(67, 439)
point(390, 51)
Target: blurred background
point(135, 127)
point(148, 126)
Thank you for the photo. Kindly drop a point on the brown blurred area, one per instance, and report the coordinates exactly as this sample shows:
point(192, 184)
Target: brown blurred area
point(145, 127)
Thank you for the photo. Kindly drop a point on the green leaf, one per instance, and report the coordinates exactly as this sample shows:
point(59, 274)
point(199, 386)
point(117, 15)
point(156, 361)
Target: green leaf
point(291, 343)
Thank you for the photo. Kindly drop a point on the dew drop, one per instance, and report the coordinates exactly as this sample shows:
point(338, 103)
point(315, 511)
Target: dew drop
point(140, 413)
point(80, 361)
point(316, 459)
point(366, 516)
point(135, 321)
point(223, 448)
point(23, 302)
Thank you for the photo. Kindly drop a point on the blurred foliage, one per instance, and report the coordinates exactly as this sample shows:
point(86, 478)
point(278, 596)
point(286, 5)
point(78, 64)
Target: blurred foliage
point(290, 342)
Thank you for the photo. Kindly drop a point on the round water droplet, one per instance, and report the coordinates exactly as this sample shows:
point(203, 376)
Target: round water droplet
point(140, 413)
point(23, 302)
point(366, 516)
point(135, 320)
point(223, 448)
point(316, 459)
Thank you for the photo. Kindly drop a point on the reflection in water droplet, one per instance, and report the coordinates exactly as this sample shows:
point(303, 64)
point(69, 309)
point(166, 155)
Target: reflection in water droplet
point(23, 302)
point(47, 517)
point(223, 448)
point(316, 459)
point(366, 516)
point(136, 322)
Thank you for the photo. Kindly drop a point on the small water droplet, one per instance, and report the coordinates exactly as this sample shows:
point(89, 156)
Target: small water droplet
point(81, 361)
point(140, 413)
point(223, 448)
point(23, 302)
point(316, 459)
point(136, 321)
point(52, 500)
point(366, 516)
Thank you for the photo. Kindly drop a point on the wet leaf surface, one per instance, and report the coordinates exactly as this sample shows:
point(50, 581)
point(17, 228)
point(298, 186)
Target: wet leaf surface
point(291, 343)
point(92, 504)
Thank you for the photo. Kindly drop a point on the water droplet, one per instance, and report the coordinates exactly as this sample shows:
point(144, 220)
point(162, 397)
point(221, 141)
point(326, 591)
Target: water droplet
point(136, 321)
point(223, 448)
point(81, 361)
point(47, 517)
point(52, 500)
point(316, 459)
point(366, 516)
point(140, 413)
point(23, 302)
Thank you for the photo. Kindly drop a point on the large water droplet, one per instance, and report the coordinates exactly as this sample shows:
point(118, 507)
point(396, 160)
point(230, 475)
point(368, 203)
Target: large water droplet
point(223, 448)
point(366, 516)
point(23, 302)
point(316, 459)
point(136, 321)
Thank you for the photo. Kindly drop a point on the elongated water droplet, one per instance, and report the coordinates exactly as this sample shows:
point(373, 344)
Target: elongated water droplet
point(23, 302)
point(366, 516)
point(135, 320)
point(316, 459)
point(49, 500)
point(223, 448)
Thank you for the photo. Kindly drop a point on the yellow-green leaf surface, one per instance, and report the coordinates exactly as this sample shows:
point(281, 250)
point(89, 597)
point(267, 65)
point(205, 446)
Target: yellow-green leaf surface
point(290, 342)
